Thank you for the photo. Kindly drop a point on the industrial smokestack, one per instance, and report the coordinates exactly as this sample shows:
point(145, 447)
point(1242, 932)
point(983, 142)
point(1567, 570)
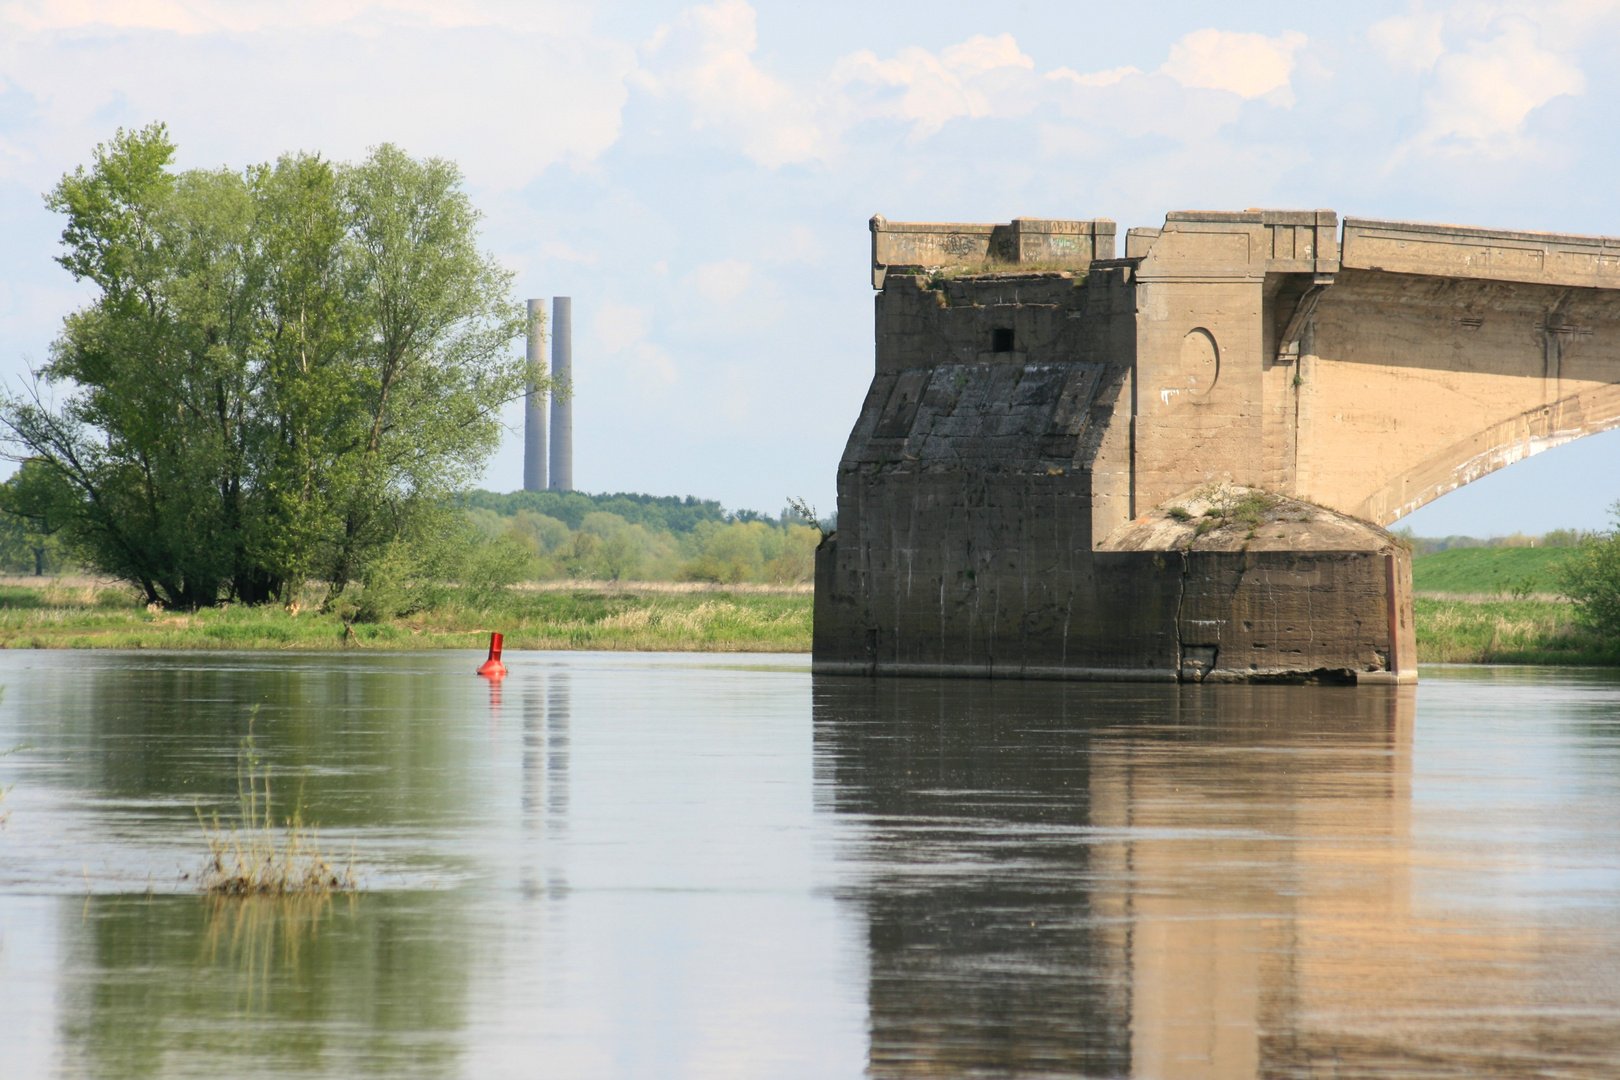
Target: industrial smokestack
point(562, 403)
point(534, 406)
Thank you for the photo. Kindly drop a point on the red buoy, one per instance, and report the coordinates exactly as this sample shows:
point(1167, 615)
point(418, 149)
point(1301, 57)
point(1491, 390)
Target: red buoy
point(493, 667)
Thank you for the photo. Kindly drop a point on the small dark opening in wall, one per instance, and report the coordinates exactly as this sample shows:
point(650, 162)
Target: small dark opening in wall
point(1001, 339)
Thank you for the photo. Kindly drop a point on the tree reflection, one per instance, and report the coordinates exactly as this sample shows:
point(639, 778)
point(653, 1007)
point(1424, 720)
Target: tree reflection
point(367, 985)
point(366, 743)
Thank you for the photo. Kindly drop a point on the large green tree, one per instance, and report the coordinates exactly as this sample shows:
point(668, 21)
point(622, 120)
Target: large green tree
point(283, 375)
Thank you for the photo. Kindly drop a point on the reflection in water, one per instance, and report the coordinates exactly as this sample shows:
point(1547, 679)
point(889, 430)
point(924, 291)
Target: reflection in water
point(1167, 882)
point(372, 985)
point(545, 778)
point(362, 740)
point(700, 866)
point(155, 985)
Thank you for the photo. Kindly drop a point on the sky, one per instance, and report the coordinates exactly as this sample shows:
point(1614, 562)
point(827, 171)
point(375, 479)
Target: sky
point(698, 177)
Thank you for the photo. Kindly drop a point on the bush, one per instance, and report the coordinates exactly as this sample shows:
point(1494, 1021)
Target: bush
point(435, 568)
point(1590, 578)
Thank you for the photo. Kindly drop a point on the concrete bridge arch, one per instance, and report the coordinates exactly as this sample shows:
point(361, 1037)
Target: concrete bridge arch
point(1397, 366)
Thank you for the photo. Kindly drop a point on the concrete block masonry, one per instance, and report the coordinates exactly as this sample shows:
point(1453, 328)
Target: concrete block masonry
point(1176, 465)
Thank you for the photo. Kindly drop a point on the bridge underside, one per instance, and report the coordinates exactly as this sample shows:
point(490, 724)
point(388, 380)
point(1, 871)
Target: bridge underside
point(1044, 476)
point(1413, 385)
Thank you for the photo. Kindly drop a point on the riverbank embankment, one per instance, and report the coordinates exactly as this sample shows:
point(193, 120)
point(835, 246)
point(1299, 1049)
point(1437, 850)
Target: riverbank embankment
point(88, 614)
point(82, 613)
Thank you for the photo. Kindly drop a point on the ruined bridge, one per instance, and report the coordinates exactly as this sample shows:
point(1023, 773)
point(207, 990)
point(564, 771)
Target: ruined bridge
point(1177, 464)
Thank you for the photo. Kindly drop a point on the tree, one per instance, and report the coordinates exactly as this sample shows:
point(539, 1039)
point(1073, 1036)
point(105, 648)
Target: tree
point(1590, 578)
point(285, 372)
point(29, 545)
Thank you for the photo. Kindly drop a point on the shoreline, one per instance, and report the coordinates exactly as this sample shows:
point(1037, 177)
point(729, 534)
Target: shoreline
point(693, 617)
point(53, 615)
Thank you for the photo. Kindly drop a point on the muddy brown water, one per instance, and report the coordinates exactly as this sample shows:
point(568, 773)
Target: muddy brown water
point(645, 865)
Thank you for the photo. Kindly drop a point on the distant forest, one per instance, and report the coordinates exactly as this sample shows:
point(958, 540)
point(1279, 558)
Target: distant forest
point(1557, 538)
point(661, 513)
point(625, 536)
point(561, 535)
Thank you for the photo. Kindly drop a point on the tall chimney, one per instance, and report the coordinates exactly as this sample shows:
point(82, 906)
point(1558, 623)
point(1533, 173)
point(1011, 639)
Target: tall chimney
point(534, 406)
point(562, 404)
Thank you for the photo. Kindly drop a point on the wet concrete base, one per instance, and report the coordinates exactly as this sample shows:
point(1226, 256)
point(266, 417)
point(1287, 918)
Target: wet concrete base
point(1192, 592)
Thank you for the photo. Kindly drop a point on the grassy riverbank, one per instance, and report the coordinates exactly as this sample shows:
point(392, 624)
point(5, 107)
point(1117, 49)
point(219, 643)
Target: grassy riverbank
point(636, 619)
point(689, 618)
point(1495, 631)
point(1499, 606)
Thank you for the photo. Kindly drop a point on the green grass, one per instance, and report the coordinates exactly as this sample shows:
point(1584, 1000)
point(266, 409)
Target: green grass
point(1504, 632)
point(1448, 631)
point(1489, 570)
point(715, 621)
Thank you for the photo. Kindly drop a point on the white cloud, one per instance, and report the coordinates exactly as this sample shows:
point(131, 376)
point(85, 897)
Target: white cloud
point(706, 57)
point(795, 244)
point(1410, 42)
point(1248, 65)
point(1506, 59)
point(1095, 78)
point(618, 326)
point(1482, 94)
point(209, 16)
point(721, 282)
point(979, 54)
point(503, 102)
point(927, 91)
point(621, 330)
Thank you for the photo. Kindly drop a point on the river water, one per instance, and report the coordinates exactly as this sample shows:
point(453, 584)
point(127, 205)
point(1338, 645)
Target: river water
point(615, 865)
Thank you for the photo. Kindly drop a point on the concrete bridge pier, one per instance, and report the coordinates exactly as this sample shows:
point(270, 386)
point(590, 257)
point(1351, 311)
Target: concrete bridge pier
point(1178, 464)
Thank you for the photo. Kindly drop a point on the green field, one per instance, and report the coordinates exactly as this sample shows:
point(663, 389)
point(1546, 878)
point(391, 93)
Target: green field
point(1489, 570)
point(700, 621)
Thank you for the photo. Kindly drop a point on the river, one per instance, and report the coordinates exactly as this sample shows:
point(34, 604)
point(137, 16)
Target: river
point(653, 865)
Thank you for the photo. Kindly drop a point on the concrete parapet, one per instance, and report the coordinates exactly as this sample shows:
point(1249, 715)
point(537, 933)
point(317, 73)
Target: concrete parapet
point(1405, 247)
point(937, 245)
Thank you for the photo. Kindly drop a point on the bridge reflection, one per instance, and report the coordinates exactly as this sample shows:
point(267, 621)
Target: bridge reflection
point(1072, 879)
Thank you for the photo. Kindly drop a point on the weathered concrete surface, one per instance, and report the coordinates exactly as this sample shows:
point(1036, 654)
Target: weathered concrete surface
point(1274, 588)
point(1002, 498)
point(933, 245)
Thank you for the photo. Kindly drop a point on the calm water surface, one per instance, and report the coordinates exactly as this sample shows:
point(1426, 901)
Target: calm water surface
point(644, 865)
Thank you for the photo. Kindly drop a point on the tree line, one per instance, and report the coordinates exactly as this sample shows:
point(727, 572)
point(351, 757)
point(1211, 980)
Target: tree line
point(588, 539)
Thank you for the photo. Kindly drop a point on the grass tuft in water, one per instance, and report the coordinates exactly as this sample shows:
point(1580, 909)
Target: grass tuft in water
point(255, 857)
